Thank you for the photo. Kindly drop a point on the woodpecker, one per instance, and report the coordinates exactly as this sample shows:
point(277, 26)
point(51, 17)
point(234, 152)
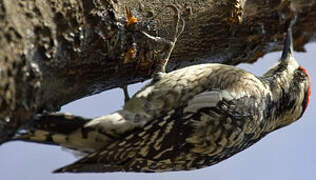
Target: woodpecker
point(190, 118)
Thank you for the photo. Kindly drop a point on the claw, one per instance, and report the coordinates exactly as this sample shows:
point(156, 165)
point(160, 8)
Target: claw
point(126, 95)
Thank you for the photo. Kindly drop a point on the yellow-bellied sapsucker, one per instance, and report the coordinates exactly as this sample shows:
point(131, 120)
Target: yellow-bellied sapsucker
point(188, 119)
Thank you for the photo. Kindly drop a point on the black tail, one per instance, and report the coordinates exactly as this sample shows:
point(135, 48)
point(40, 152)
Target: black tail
point(45, 125)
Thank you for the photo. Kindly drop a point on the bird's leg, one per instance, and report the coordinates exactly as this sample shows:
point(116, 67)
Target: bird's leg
point(126, 95)
point(169, 44)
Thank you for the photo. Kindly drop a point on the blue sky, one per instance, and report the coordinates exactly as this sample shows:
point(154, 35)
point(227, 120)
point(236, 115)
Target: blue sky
point(288, 153)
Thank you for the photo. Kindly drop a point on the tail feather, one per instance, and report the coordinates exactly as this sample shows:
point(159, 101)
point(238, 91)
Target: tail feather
point(65, 130)
point(81, 134)
point(47, 128)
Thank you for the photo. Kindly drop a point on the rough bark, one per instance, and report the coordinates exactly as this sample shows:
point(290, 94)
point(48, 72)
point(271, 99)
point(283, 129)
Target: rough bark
point(54, 52)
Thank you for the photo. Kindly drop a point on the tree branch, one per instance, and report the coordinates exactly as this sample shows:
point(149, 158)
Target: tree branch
point(54, 52)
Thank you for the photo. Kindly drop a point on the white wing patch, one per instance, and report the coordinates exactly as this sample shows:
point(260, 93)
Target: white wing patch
point(202, 100)
point(208, 99)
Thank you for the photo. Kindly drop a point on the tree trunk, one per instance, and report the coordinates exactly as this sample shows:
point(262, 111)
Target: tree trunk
point(54, 52)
